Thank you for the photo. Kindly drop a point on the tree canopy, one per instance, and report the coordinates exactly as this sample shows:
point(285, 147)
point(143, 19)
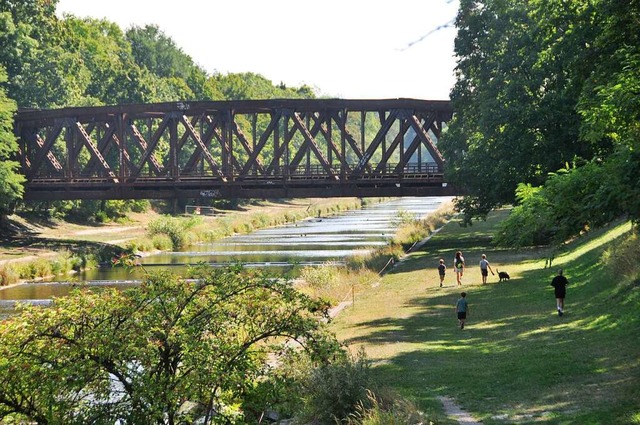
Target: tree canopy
point(53, 62)
point(170, 351)
point(10, 180)
point(544, 86)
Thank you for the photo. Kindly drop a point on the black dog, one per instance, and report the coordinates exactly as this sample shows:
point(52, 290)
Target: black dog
point(503, 275)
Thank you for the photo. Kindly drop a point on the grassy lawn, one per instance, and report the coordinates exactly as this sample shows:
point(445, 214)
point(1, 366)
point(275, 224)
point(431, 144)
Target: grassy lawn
point(516, 361)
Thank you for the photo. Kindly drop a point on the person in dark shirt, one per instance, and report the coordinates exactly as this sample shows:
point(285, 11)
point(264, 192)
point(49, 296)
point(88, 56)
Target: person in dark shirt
point(559, 284)
point(442, 269)
point(458, 267)
point(462, 308)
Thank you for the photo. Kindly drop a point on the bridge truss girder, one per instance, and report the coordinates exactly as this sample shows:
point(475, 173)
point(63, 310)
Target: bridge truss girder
point(235, 149)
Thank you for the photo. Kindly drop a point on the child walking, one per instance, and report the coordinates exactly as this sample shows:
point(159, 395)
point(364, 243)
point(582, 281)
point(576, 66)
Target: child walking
point(462, 308)
point(441, 271)
point(485, 268)
point(458, 266)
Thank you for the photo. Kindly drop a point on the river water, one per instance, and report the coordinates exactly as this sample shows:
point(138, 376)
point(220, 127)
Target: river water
point(309, 242)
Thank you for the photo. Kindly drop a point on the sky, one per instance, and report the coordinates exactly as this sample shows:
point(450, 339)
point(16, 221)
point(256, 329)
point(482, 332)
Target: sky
point(352, 49)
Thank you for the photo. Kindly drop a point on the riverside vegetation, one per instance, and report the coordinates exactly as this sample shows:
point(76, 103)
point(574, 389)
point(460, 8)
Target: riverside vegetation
point(336, 385)
point(520, 363)
point(65, 251)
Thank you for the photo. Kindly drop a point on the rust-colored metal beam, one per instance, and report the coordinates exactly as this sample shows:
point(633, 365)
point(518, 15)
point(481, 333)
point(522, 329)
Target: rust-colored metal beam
point(249, 148)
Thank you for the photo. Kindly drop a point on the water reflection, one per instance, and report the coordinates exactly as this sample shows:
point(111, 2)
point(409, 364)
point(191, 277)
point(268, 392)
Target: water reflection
point(308, 242)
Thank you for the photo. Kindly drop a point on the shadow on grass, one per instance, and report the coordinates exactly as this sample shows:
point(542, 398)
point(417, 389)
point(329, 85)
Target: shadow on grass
point(516, 359)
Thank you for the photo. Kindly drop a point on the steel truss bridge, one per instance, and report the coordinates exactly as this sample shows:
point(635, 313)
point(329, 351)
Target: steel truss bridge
point(283, 148)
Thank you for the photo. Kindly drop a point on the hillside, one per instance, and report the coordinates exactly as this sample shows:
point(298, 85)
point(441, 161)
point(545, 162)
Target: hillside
point(516, 361)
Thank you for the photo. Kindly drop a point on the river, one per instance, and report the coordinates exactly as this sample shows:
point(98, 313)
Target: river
point(308, 242)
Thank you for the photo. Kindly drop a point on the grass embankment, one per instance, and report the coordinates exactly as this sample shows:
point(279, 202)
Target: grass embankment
point(516, 361)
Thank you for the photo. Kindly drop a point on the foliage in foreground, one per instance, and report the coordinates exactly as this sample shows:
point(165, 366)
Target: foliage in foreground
point(167, 352)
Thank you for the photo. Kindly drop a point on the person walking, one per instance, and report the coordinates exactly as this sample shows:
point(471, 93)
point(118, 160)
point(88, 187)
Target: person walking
point(458, 266)
point(559, 284)
point(485, 268)
point(441, 271)
point(462, 308)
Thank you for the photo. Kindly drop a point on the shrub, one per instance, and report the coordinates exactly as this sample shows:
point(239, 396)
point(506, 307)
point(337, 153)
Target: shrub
point(140, 245)
point(161, 242)
point(331, 393)
point(61, 264)
point(139, 206)
point(260, 220)
point(324, 276)
point(376, 260)
point(623, 257)
point(37, 268)
point(176, 229)
point(386, 411)
point(8, 275)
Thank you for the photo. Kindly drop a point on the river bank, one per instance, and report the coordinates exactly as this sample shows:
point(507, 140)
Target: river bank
point(37, 249)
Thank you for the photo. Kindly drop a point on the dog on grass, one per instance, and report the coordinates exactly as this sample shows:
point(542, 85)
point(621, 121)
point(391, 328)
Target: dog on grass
point(503, 275)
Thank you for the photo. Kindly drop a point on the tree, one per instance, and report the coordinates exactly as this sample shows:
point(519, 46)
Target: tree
point(168, 352)
point(177, 76)
point(11, 188)
point(249, 85)
point(610, 103)
point(114, 76)
point(521, 70)
point(41, 74)
point(566, 134)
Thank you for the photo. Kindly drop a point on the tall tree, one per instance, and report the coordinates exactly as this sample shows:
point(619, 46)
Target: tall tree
point(41, 73)
point(610, 103)
point(545, 86)
point(177, 76)
point(11, 188)
point(519, 76)
point(106, 54)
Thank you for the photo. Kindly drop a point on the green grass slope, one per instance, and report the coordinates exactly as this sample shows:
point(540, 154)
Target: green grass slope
point(516, 361)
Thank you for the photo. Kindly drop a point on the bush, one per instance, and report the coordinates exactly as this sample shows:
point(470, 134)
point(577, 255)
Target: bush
point(331, 393)
point(8, 275)
point(140, 245)
point(623, 257)
point(324, 276)
point(161, 242)
point(176, 229)
point(376, 260)
point(36, 268)
point(61, 264)
point(386, 411)
point(140, 205)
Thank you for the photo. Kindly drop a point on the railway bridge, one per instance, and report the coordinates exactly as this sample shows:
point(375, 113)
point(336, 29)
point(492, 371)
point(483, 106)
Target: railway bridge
point(279, 148)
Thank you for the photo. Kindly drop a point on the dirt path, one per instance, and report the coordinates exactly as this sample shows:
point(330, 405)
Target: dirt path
point(455, 412)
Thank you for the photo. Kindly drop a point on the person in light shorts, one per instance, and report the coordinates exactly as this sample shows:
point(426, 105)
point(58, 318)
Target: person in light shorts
point(458, 266)
point(485, 268)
